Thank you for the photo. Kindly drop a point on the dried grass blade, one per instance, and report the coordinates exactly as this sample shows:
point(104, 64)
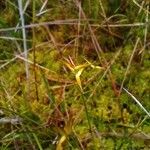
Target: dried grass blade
point(137, 101)
point(24, 37)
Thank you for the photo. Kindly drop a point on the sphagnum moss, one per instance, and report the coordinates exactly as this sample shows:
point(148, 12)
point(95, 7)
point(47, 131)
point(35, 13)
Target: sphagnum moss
point(60, 118)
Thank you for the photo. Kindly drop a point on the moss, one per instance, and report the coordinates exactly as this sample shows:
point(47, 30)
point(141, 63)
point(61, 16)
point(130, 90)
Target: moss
point(51, 102)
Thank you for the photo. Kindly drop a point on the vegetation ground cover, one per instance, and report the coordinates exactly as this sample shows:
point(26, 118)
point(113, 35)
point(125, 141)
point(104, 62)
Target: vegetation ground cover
point(74, 74)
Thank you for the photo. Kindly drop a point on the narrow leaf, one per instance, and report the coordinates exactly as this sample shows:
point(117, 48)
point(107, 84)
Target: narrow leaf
point(78, 74)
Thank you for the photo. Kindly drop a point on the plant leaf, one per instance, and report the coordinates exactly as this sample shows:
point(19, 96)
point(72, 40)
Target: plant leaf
point(78, 74)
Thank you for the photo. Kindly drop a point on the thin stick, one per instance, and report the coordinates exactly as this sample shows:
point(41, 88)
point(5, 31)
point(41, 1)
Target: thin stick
point(13, 59)
point(76, 21)
point(37, 65)
point(24, 37)
point(129, 64)
point(24, 9)
point(133, 97)
point(145, 34)
point(34, 54)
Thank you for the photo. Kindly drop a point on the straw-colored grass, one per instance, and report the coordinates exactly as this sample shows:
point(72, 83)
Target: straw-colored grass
point(74, 75)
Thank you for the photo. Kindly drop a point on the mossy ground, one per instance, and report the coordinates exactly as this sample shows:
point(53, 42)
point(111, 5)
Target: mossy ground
point(72, 98)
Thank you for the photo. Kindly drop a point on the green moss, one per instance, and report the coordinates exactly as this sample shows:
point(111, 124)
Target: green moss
point(50, 100)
